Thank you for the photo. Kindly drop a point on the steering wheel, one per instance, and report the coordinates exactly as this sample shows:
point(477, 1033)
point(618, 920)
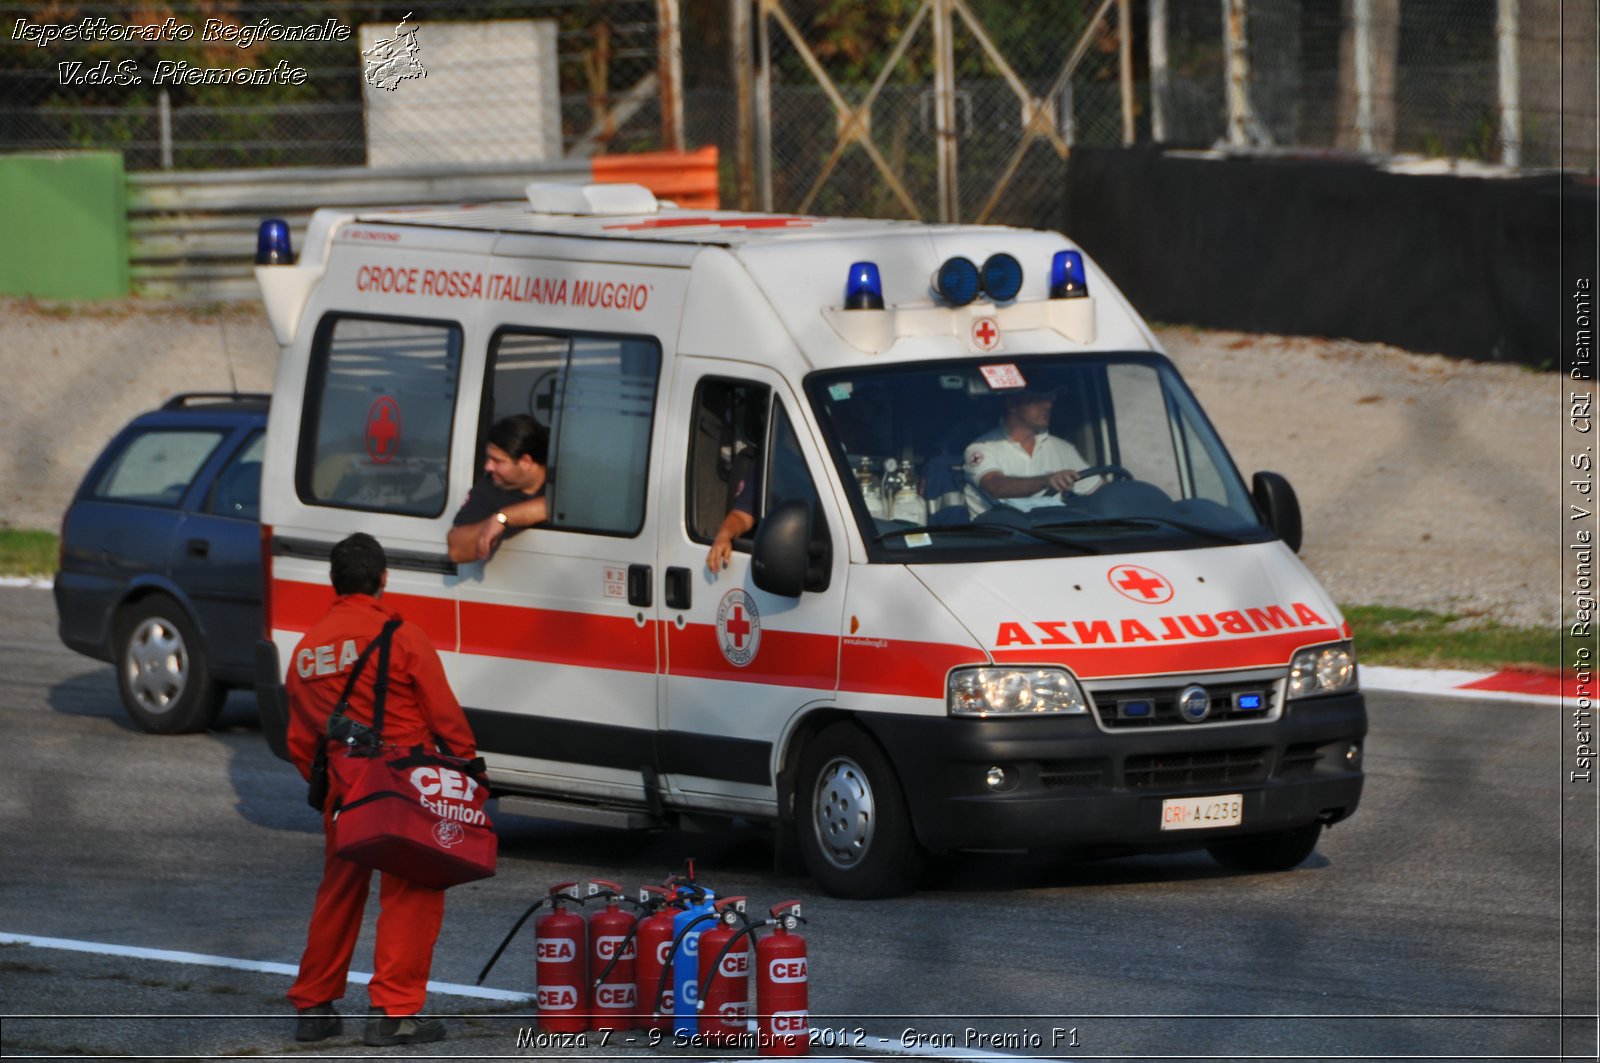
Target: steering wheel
point(1115, 472)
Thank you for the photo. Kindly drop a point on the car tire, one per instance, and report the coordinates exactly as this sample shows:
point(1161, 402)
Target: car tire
point(162, 672)
point(854, 827)
point(1278, 851)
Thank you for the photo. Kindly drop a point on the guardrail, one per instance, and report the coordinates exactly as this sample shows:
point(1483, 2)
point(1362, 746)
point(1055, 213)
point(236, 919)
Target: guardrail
point(192, 235)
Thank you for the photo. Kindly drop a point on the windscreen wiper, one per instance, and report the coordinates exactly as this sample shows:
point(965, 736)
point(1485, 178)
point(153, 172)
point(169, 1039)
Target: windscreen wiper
point(1147, 522)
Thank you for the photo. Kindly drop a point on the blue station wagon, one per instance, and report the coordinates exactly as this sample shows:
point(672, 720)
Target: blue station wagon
point(161, 558)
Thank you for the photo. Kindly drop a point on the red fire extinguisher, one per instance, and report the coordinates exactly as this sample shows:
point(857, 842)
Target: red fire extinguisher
point(652, 942)
point(724, 999)
point(561, 949)
point(612, 955)
point(782, 1007)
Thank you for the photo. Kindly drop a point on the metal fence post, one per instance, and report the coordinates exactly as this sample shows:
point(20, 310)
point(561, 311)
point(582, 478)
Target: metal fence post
point(1125, 66)
point(763, 123)
point(944, 110)
point(1159, 75)
point(744, 146)
point(670, 47)
point(1507, 29)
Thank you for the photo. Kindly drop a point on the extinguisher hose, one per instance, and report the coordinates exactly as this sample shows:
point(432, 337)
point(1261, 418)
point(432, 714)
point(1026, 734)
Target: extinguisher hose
point(534, 907)
point(627, 939)
point(748, 930)
point(666, 967)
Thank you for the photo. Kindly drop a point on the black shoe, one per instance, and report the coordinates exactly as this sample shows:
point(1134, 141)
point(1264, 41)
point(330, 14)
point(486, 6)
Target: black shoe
point(318, 1023)
point(383, 1031)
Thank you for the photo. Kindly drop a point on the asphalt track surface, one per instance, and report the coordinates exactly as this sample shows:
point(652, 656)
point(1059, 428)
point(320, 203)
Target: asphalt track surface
point(1452, 917)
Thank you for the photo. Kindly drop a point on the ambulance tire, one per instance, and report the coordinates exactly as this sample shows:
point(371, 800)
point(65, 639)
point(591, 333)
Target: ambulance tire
point(1279, 851)
point(853, 824)
point(162, 671)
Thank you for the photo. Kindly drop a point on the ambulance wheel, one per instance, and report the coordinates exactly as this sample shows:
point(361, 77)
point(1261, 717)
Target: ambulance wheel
point(1279, 851)
point(162, 672)
point(854, 827)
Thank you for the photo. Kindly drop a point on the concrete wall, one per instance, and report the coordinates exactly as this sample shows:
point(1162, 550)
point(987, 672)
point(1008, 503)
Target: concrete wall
point(75, 375)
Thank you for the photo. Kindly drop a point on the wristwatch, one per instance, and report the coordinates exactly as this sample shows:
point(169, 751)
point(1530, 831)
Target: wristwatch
point(501, 517)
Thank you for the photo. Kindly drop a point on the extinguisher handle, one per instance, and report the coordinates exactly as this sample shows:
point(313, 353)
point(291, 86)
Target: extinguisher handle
point(566, 891)
point(782, 908)
point(600, 887)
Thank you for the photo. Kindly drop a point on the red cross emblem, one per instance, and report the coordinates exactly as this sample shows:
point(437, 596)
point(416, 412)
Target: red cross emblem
point(738, 628)
point(383, 430)
point(985, 334)
point(1140, 584)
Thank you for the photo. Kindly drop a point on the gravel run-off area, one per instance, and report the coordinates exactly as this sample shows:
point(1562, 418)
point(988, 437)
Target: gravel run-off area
point(1424, 481)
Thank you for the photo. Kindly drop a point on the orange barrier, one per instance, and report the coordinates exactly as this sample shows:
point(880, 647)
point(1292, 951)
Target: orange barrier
point(688, 178)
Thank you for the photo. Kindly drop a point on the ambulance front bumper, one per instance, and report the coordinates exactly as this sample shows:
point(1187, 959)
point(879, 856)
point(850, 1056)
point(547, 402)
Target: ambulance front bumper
point(1064, 782)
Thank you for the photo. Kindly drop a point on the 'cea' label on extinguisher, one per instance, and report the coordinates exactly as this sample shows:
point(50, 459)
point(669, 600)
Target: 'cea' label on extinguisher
point(555, 950)
point(786, 1023)
point(557, 998)
point(787, 970)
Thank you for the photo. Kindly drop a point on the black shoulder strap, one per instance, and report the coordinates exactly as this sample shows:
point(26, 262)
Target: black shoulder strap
point(380, 642)
point(380, 688)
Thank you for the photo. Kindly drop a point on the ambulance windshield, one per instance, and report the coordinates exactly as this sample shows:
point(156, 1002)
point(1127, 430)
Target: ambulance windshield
point(1030, 456)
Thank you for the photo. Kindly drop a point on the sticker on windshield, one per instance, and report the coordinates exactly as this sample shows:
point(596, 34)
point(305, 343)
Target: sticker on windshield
point(1003, 377)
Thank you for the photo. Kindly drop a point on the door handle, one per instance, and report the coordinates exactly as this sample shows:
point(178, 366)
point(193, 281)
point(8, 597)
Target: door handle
point(678, 588)
point(199, 547)
point(639, 585)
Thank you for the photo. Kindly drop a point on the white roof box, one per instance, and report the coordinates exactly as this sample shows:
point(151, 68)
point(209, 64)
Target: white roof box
point(550, 198)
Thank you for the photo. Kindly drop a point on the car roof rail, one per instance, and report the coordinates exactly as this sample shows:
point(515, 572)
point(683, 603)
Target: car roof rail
point(190, 398)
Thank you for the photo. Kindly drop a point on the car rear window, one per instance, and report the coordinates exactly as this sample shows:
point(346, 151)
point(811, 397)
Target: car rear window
point(157, 466)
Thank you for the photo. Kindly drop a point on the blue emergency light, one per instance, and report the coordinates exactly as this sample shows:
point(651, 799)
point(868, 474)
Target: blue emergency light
point(957, 281)
point(272, 244)
point(1066, 275)
point(863, 288)
point(1002, 277)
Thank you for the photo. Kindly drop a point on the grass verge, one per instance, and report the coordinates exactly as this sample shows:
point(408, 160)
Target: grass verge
point(1415, 638)
point(27, 553)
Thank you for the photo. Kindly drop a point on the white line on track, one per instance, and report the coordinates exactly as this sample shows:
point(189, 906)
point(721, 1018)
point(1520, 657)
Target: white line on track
point(874, 1045)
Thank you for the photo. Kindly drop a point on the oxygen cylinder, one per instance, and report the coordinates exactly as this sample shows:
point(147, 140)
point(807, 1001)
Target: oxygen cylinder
point(612, 955)
point(687, 926)
point(560, 951)
point(725, 977)
point(651, 943)
point(782, 1001)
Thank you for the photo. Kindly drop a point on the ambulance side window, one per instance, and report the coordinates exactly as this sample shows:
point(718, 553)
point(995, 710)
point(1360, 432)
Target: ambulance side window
point(375, 432)
point(725, 443)
point(597, 396)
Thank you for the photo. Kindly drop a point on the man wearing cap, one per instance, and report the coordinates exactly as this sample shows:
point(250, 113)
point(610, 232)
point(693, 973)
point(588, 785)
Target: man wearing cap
point(1020, 462)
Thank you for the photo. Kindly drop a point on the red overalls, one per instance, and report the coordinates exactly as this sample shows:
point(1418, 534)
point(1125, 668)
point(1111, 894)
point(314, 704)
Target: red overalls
point(419, 709)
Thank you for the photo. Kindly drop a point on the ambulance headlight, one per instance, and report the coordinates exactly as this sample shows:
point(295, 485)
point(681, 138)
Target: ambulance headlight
point(1322, 670)
point(1014, 692)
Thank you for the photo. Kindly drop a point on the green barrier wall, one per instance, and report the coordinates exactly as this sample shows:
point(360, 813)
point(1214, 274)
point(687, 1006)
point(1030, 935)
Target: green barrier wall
point(64, 226)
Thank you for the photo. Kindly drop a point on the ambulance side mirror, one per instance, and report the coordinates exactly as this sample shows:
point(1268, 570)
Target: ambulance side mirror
point(784, 560)
point(1278, 505)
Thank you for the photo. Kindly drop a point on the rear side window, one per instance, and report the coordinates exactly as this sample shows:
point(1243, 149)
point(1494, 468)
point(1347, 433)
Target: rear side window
point(156, 467)
point(380, 396)
point(597, 396)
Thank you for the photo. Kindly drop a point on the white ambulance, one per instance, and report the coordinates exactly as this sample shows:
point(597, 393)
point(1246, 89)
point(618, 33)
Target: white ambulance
point(897, 659)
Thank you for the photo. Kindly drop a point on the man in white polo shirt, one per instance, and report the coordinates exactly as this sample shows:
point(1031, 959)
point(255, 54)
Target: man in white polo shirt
point(1020, 462)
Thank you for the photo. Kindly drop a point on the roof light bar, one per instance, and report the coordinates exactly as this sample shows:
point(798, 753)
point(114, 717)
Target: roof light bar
point(1067, 279)
point(272, 244)
point(957, 281)
point(863, 287)
point(1002, 277)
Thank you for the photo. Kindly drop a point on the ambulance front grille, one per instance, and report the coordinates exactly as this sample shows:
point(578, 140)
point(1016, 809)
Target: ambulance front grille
point(1119, 709)
point(1083, 774)
point(1220, 767)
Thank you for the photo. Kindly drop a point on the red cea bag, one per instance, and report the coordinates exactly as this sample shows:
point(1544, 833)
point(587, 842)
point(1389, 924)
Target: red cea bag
point(415, 814)
point(412, 813)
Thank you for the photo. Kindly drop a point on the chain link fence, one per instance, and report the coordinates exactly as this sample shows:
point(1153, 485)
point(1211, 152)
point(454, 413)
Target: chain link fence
point(315, 107)
point(856, 87)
